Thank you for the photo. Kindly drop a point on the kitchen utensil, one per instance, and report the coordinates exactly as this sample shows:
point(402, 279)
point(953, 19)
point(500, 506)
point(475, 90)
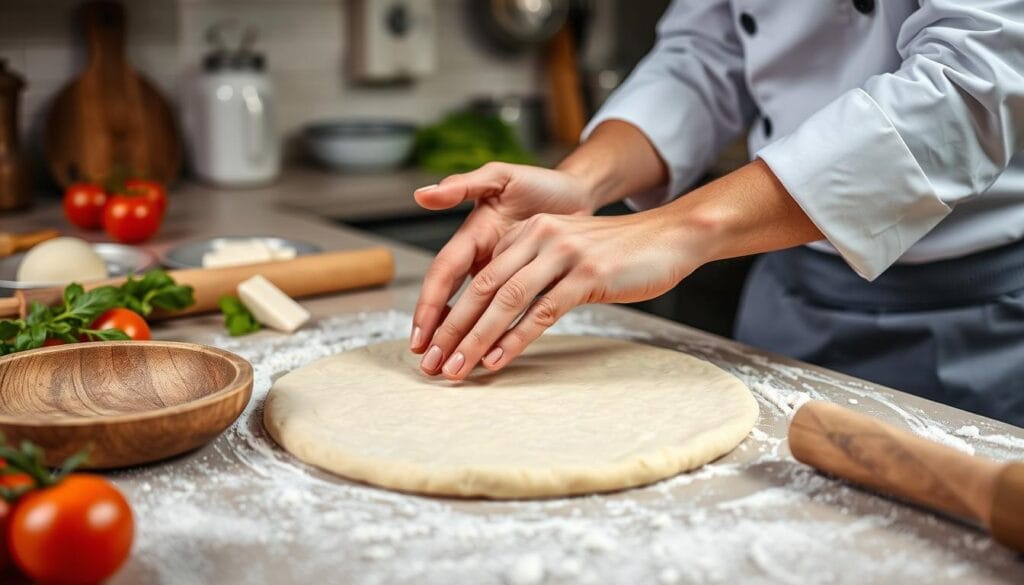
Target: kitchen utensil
point(15, 190)
point(11, 243)
point(305, 276)
point(514, 25)
point(231, 118)
point(869, 452)
point(121, 260)
point(110, 121)
point(133, 402)
point(567, 111)
point(190, 254)
point(360, 145)
point(525, 114)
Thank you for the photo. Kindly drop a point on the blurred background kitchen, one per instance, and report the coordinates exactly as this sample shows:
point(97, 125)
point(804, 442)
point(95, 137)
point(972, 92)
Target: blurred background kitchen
point(345, 105)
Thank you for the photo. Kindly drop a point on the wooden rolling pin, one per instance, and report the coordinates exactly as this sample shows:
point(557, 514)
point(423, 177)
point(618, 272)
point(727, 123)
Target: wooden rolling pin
point(304, 276)
point(11, 243)
point(869, 452)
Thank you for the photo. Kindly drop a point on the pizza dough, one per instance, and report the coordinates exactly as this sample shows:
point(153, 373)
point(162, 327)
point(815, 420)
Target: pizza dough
point(60, 261)
point(572, 415)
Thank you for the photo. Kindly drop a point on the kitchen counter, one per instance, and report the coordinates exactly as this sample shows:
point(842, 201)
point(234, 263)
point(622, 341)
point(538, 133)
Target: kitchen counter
point(240, 510)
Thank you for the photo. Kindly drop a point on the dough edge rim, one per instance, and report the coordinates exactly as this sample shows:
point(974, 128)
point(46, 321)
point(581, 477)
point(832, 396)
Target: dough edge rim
point(502, 482)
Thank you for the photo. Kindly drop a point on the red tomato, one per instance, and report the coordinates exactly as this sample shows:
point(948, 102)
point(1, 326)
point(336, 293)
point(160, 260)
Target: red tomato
point(78, 532)
point(15, 480)
point(151, 190)
point(131, 219)
point(52, 341)
point(5, 520)
point(126, 320)
point(83, 205)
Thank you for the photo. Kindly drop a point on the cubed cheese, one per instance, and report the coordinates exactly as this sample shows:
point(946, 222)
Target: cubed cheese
point(270, 305)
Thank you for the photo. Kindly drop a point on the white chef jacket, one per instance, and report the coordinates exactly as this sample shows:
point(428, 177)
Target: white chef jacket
point(895, 125)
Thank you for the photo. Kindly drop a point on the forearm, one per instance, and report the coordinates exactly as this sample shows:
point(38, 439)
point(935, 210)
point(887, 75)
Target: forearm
point(616, 161)
point(745, 212)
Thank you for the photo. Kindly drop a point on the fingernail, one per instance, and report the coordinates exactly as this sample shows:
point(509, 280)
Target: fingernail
point(433, 359)
point(417, 337)
point(454, 363)
point(427, 188)
point(493, 356)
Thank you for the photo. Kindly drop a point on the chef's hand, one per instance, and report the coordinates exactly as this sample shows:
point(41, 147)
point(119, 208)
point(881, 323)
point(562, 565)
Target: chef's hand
point(545, 266)
point(505, 194)
point(617, 159)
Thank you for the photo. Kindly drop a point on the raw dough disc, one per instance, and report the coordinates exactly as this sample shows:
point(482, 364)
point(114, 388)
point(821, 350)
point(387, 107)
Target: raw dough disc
point(572, 415)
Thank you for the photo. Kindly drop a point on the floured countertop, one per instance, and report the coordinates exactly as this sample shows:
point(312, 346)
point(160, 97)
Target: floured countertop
point(244, 511)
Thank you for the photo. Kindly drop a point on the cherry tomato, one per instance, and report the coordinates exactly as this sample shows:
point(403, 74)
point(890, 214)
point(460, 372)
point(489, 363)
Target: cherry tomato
point(52, 341)
point(78, 532)
point(126, 320)
point(130, 218)
point(15, 480)
point(83, 205)
point(151, 190)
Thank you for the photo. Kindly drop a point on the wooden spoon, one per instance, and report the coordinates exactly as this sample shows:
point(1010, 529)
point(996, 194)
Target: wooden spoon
point(869, 452)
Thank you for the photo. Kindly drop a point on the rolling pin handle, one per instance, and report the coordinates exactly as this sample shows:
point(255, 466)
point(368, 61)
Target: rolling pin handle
point(1007, 518)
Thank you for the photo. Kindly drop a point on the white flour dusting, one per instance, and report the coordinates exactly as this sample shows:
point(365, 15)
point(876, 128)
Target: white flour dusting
point(755, 516)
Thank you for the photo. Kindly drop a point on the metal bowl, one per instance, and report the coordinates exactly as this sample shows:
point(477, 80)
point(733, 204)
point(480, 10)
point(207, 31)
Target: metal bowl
point(121, 260)
point(360, 145)
point(190, 254)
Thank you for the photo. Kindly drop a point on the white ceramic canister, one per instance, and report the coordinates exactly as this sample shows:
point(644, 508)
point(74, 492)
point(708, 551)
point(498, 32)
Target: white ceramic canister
point(233, 135)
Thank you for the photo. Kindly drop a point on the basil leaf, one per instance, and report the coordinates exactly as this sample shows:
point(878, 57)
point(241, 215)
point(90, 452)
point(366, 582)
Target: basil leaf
point(10, 328)
point(237, 318)
point(107, 335)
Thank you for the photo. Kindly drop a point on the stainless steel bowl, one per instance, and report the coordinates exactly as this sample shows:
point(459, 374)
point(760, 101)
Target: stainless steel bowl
point(360, 145)
point(121, 260)
point(190, 254)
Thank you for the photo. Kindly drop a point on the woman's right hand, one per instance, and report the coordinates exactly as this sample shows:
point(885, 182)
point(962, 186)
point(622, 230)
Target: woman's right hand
point(505, 194)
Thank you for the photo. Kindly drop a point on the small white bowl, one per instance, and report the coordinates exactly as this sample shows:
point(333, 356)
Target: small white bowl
point(360, 145)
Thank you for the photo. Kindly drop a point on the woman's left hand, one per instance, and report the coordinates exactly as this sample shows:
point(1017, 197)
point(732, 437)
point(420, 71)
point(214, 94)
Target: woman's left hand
point(544, 267)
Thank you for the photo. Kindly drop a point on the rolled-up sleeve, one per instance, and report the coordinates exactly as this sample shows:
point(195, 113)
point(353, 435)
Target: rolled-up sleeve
point(883, 164)
point(688, 96)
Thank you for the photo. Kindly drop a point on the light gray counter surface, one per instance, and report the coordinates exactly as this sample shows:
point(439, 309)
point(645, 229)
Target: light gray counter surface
point(240, 510)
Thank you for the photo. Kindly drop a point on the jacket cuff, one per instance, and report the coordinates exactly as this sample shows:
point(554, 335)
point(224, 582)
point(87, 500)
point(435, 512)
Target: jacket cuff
point(643, 105)
point(853, 175)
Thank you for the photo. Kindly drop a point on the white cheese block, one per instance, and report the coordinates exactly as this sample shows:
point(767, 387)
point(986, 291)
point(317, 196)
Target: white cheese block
point(270, 305)
point(236, 253)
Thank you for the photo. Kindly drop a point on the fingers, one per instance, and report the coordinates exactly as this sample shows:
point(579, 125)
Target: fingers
point(487, 181)
point(471, 305)
point(443, 278)
point(542, 314)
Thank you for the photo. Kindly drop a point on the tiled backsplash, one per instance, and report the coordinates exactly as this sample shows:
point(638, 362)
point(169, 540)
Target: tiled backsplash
point(305, 45)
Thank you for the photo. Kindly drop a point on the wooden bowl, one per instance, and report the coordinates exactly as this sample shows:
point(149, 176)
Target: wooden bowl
point(134, 402)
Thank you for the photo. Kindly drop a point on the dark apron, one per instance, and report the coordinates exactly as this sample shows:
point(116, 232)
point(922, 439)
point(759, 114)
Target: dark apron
point(951, 331)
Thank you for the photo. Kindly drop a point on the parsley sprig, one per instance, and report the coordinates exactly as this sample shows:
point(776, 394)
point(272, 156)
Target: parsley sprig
point(71, 320)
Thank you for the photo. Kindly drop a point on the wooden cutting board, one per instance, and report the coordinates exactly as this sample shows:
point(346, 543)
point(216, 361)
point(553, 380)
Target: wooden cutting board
point(110, 121)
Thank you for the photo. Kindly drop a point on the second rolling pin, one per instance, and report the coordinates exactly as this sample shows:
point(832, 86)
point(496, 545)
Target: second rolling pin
point(310, 275)
point(869, 452)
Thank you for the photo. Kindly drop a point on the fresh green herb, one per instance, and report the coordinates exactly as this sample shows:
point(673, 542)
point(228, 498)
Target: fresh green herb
point(237, 318)
point(71, 320)
point(155, 290)
point(466, 141)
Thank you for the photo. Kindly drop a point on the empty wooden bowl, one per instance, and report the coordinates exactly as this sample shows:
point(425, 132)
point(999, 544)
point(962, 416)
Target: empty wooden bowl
point(134, 402)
